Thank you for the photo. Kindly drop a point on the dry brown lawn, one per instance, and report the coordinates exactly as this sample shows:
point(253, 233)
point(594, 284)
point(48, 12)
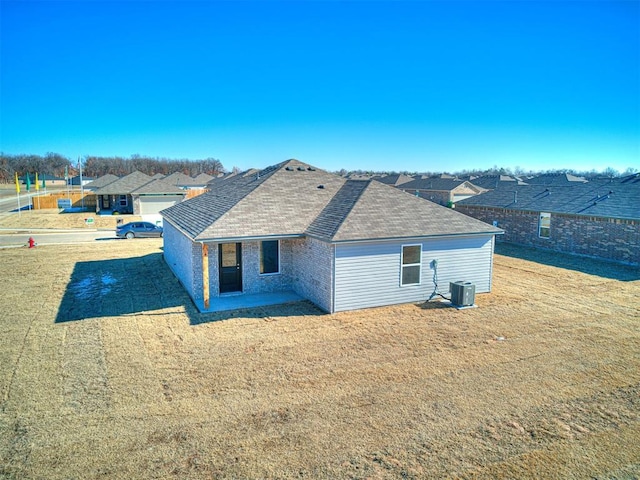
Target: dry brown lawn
point(109, 372)
point(52, 218)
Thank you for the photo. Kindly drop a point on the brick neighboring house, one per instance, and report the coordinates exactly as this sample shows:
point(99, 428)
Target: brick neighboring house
point(596, 219)
point(116, 196)
point(342, 244)
point(443, 190)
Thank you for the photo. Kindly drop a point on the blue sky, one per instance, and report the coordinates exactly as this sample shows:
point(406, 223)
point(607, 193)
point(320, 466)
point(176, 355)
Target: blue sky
point(416, 86)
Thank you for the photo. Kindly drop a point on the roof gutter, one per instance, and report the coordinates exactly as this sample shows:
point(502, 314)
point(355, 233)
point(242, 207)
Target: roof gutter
point(247, 239)
point(446, 235)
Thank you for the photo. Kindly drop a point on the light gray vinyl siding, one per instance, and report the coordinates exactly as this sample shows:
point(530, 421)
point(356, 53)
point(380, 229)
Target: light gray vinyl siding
point(368, 274)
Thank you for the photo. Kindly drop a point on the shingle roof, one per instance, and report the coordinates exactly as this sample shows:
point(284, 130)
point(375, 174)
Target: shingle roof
point(442, 184)
point(614, 200)
point(181, 180)
point(157, 175)
point(202, 179)
point(293, 198)
point(102, 181)
point(555, 179)
point(125, 185)
point(158, 186)
point(382, 212)
point(395, 180)
point(494, 181)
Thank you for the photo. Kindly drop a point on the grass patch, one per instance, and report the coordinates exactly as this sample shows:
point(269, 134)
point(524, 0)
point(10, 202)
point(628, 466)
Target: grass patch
point(139, 390)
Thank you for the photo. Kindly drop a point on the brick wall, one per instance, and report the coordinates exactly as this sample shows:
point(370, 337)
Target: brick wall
point(253, 282)
point(184, 259)
point(313, 271)
point(610, 239)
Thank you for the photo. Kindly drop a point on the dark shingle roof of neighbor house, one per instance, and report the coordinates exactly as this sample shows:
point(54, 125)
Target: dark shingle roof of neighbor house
point(434, 183)
point(125, 185)
point(102, 181)
point(610, 199)
point(295, 199)
point(558, 179)
point(202, 179)
point(181, 180)
point(158, 186)
point(494, 181)
point(395, 180)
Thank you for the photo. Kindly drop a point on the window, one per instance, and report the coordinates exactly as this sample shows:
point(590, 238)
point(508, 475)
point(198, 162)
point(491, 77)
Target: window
point(123, 200)
point(411, 265)
point(269, 257)
point(544, 225)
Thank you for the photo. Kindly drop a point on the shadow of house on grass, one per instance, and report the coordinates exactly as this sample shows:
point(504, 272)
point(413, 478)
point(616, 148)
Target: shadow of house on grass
point(146, 285)
point(588, 265)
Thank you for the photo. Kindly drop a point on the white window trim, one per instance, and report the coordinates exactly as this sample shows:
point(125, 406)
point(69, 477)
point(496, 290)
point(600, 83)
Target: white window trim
point(120, 199)
point(540, 227)
point(260, 254)
point(402, 265)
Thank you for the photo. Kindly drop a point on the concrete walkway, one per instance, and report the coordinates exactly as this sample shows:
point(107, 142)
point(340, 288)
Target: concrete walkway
point(235, 301)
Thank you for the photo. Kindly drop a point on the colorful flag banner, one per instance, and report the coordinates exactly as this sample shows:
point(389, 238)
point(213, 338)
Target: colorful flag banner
point(36, 184)
point(17, 184)
point(28, 182)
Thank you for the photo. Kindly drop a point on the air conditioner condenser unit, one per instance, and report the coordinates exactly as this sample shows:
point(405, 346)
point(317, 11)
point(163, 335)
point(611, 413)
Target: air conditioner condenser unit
point(463, 294)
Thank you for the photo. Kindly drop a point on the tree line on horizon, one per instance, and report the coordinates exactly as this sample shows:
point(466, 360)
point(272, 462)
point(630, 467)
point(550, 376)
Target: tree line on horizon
point(495, 170)
point(55, 164)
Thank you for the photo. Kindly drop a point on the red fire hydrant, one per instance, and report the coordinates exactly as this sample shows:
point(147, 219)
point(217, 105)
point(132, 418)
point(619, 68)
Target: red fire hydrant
point(32, 242)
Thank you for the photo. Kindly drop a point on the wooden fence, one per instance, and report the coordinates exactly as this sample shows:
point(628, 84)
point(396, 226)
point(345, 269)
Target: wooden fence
point(50, 200)
point(194, 192)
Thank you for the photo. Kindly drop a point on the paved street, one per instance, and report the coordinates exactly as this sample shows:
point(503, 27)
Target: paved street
point(50, 237)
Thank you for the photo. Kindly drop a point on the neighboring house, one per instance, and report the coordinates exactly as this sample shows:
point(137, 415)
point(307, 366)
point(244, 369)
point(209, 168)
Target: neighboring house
point(491, 182)
point(50, 180)
point(186, 182)
point(342, 244)
point(394, 180)
point(154, 196)
point(117, 196)
point(75, 181)
point(201, 181)
point(555, 179)
point(443, 190)
point(593, 219)
point(100, 182)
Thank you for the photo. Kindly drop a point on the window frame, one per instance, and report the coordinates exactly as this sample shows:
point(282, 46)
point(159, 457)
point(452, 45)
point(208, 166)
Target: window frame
point(544, 215)
point(123, 201)
point(410, 265)
point(261, 261)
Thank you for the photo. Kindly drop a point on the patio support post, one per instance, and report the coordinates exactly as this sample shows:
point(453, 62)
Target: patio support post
point(205, 275)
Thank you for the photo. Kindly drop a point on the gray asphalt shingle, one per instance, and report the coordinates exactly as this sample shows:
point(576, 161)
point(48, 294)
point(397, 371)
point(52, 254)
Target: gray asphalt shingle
point(102, 181)
point(614, 199)
point(125, 185)
point(158, 186)
point(293, 198)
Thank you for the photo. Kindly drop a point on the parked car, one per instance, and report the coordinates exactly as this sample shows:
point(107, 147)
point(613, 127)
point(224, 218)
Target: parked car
point(138, 229)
